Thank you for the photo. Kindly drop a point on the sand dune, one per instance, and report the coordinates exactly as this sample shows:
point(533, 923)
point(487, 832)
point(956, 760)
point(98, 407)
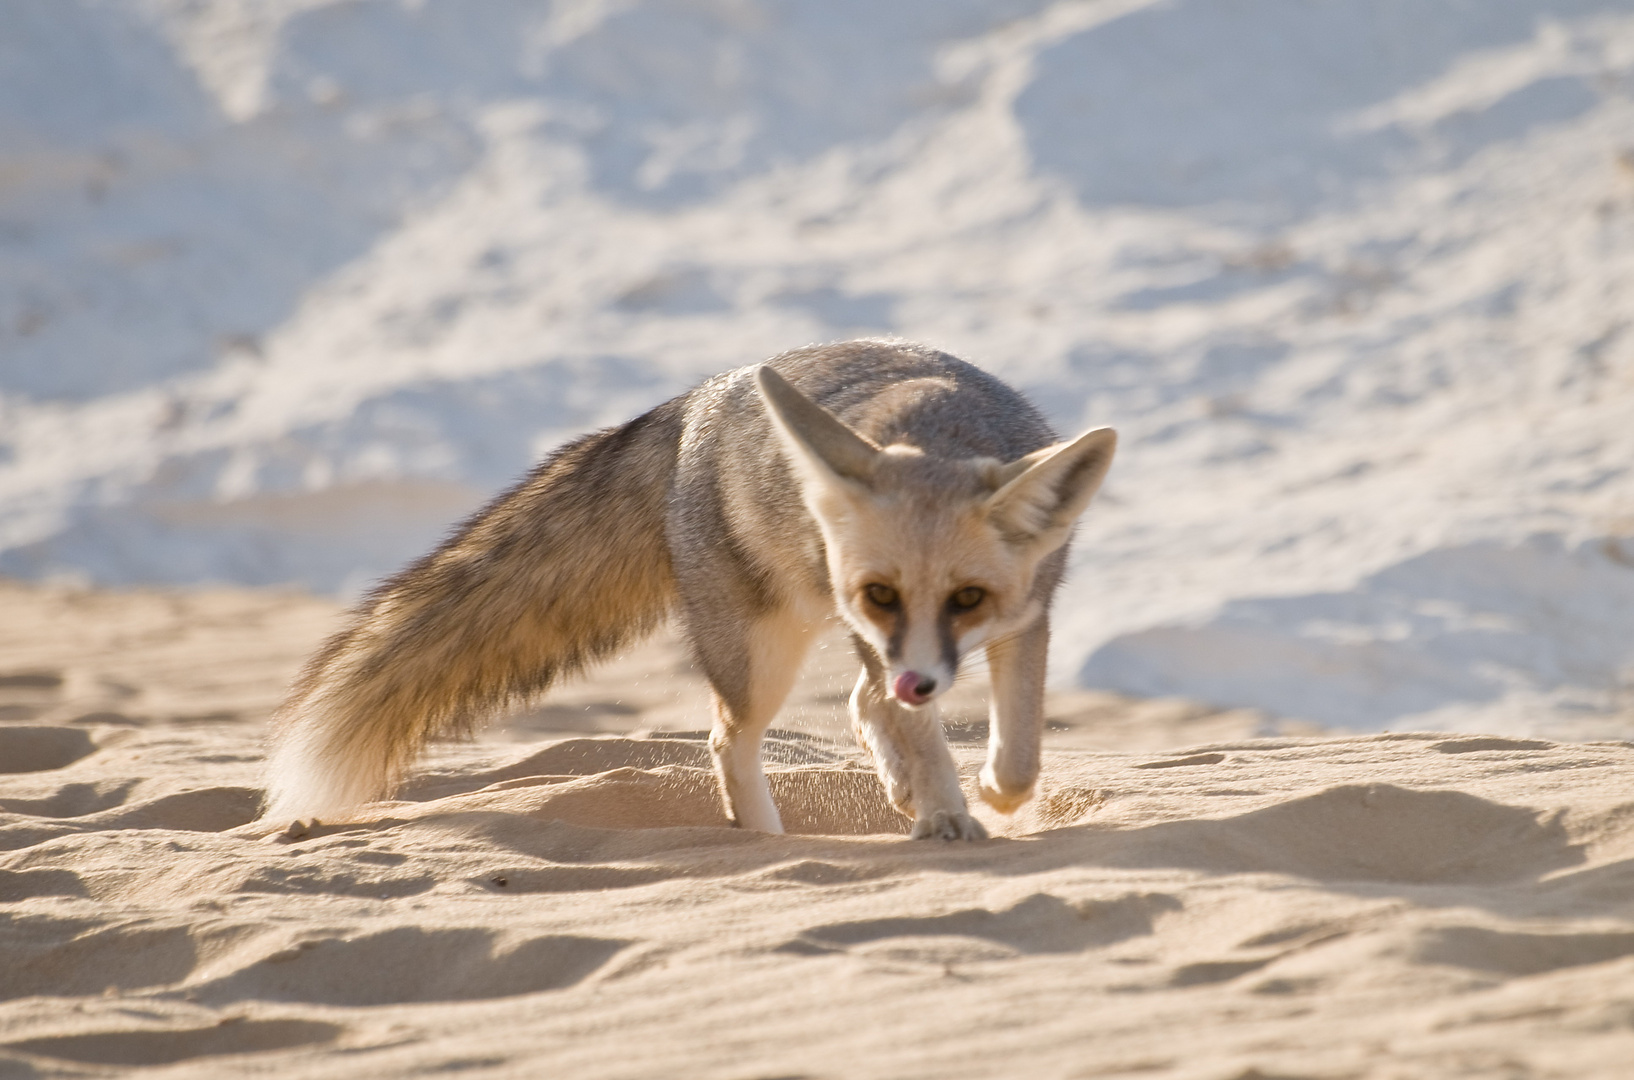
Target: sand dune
point(288, 286)
point(1211, 899)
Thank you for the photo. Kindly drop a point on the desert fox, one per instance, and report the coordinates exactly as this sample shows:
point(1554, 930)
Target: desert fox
point(919, 498)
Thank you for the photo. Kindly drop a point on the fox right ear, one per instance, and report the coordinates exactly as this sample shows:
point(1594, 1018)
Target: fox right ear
point(1041, 495)
point(819, 444)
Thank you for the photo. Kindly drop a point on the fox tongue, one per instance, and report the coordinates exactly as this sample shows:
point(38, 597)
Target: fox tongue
point(907, 688)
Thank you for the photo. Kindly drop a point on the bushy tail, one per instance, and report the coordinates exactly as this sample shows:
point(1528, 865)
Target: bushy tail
point(567, 567)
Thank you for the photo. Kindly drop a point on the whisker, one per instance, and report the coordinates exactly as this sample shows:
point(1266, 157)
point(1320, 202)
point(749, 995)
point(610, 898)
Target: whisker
point(1005, 639)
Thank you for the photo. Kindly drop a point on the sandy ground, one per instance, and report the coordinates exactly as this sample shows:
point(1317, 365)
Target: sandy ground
point(1195, 894)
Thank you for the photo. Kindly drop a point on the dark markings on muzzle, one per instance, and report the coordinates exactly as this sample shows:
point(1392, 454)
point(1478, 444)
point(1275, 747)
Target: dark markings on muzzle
point(872, 662)
point(950, 646)
point(899, 630)
point(944, 636)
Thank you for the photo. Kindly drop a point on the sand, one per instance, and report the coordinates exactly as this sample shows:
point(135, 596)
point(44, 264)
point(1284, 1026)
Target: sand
point(1195, 894)
point(286, 286)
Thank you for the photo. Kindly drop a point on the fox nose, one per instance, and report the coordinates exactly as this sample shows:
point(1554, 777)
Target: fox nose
point(914, 688)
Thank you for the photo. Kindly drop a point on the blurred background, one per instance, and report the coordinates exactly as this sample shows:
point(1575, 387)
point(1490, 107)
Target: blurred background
point(289, 286)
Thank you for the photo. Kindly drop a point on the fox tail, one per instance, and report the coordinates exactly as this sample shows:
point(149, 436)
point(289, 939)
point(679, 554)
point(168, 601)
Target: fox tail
point(562, 570)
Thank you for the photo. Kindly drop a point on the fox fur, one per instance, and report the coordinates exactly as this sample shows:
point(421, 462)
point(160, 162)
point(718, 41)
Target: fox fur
point(919, 499)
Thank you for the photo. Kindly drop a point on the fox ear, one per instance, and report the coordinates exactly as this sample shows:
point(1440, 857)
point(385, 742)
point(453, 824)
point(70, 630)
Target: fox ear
point(819, 444)
point(1041, 495)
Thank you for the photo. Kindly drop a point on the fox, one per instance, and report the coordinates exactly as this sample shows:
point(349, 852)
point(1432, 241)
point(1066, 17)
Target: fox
point(921, 501)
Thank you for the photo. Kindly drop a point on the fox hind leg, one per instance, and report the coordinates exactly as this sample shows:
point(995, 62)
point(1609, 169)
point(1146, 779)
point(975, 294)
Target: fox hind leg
point(911, 754)
point(751, 669)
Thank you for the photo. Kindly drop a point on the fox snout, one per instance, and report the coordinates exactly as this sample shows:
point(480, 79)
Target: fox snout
point(912, 688)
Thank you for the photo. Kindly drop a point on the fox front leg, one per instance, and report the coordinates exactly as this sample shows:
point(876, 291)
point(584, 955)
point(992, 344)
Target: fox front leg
point(1016, 720)
point(911, 754)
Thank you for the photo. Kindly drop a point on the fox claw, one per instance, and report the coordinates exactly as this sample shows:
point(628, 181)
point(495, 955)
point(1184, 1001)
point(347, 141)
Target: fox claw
point(948, 825)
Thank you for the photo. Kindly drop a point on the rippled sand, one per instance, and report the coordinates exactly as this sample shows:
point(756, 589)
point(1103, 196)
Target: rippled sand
point(1194, 895)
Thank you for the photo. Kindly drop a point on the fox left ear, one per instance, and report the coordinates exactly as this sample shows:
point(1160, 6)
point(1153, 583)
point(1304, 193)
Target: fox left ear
point(1041, 495)
point(820, 445)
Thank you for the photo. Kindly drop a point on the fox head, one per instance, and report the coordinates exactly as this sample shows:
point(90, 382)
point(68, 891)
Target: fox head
point(931, 557)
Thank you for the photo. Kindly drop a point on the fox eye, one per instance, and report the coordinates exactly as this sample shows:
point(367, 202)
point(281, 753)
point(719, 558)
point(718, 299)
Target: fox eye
point(967, 597)
point(882, 595)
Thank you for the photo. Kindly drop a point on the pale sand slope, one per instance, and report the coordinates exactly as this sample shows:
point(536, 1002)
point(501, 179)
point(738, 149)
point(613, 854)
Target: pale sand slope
point(1186, 900)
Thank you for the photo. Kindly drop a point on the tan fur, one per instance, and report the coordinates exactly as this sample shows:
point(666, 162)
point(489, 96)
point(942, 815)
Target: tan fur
point(561, 571)
point(777, 646)
point(925, 529)
point(755, 507)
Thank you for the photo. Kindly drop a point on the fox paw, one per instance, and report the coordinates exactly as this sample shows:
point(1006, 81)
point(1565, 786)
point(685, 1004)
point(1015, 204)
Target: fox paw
point(995, 794)
point(948, 825)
